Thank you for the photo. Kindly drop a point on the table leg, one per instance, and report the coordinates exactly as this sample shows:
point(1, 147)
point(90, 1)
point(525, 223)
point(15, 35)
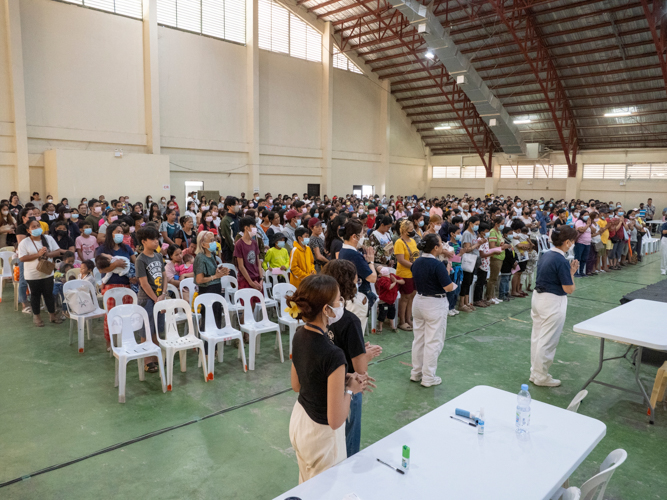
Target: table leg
point(599, 366)
point(638, 364)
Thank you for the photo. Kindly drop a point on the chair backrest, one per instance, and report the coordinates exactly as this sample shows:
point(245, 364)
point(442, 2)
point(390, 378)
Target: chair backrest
point(274, 277)
point(171, 289)
point(232, 268)
point(125, 319)
point(572, 493)
point(280, 292)
point(574, 405)
point(170, 308)
point(118, 294)
point(593, 489)
point(207, 300)
point(76, 272)
point(98, 275)
point(6, 259)
point(68, 285)
point(242, 298)
point(189, 285)
point(229, 285)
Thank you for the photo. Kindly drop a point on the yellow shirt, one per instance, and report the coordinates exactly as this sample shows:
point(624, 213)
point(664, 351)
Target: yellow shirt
point(410, 252)
point(45, 227)
point(604, 235)
point(303, 264)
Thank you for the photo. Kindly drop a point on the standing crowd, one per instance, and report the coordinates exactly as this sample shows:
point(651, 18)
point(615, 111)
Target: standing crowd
point(357, 263)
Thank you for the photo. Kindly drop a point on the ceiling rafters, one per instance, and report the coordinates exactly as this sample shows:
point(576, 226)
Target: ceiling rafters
point(656, 16)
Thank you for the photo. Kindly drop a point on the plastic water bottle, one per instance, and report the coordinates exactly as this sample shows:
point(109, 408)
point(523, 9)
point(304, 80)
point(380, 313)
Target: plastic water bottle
point(523, 410)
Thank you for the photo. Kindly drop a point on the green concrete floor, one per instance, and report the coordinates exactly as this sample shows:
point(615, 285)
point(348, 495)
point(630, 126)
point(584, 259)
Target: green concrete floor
point(58, 405)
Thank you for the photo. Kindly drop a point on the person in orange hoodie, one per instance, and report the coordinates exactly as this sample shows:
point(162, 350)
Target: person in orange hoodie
point(302, 261)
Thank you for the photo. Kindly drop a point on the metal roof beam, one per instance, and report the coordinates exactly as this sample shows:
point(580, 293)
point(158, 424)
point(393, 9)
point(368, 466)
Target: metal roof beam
point(656, 15)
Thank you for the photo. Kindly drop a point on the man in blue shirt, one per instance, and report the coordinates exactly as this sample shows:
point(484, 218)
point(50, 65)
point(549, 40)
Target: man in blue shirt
point(542, 217)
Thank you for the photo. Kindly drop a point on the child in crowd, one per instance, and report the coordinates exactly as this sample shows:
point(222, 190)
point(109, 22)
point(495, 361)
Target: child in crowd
point(102, 261)
point(507, 266)
point(246, 255)
point(531, 266)
point(277, 256)
point(302, 263)
point(86, 244)
point(59, 280)
point(86, 274)
point(454, 268)
point(387, 289)
point(187, 266)
point(68, 260)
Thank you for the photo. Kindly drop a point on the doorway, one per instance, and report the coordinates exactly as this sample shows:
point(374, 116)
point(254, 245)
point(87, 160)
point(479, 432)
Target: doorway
point(192, 186)
point(363, 190)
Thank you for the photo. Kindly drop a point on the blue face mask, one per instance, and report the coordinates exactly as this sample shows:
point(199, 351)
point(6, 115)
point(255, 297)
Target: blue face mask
point(510, 237)
point(75, 216)
point(585, 217)
point(620, 213)
point(284, 207)
point(118, 238)
point(421, 223)
point(541, 206)
point(88, 231)
point(317, 216)
point(458, 237)
point(212, 247)
point(518, 205)
point(36, 232)
point(281, 244)
point(486, 235)
point(475, 227)
point(306, 241)
point(501, 227)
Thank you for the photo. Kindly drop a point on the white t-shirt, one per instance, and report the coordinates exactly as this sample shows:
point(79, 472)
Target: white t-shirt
point(30, 247)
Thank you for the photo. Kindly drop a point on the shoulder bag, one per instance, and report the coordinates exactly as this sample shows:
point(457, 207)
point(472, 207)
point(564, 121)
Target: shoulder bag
point(44, 265)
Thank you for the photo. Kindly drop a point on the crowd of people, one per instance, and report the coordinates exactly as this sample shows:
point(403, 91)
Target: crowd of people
point(420, 260)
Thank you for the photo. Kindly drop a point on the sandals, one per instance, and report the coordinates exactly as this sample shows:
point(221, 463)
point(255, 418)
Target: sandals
point(37, 321)
point(151, 367)
point(405, 327)
point(58, 319)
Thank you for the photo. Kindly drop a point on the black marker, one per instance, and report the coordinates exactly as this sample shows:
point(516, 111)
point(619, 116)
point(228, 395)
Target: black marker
point(391, 466)
point(463, 421)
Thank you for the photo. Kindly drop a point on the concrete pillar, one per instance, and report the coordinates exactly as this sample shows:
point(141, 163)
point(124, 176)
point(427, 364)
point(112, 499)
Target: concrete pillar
point(573, 185)
point(151, 77)
point(17, 90)
point(385, 130)
point(252, 83)
point(326, 118)
point(428, 172)
point(491, 183)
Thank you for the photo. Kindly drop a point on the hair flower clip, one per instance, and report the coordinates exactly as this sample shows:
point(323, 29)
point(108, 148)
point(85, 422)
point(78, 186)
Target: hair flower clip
point(293, 310)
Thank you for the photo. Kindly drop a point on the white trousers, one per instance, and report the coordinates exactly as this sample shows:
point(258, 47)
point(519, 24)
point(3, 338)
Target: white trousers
point(429, 327)
point(318, 447)
point(663, 254)
point(548, 315)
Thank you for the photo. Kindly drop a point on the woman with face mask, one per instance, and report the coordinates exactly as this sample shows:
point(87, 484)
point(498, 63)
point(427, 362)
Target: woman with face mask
point(7, 227)
point(430, 311)
point(348, 334)
point(470, 244)
point(356, 248)
point(406, 252)
point(319, 375)
point(555, 280)
point(67, 216)
point(208, 273)
point(583, 243)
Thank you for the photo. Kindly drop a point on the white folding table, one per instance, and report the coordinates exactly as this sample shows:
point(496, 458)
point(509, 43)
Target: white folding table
point(657, 224)
point(448, 459)
point(638, 323)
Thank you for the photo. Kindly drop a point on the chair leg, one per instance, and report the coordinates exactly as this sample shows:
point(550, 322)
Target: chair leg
point(292, 331)
point(251, 351)
point(202, 357)
point(221, 350)
point(115, 382)
point(88, 325)
point(122, 369)
point(183, 355)
point(660, 385)
point(142, 371)
point(170, 368)
point(280, 345)
point(211, 358)
point(80, 325)
point(241, 354)
point(161, 365)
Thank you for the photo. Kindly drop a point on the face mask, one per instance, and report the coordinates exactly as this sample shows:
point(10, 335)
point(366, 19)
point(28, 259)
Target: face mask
point(457, 237)
point(212, 247)
point(486, 235)
point(61, 233)
point(501, 227)
point(632, 217)
point(98, 210)
point(518, 205)
point(618, 204)
point(209, 219)
point(118, 238)
point(113, 218)
point(510, 237)
point(541, 206)
point(306, 241)
point(338, 314)
point(475, 227)
point(317, 216)
point(162, 201)
point(361, 242)
point(88, 231)
point(253, 231)
point(172, 207)
point(298, 222)
point(411, 234)
point(620, 213)
point(49, 200)
point(281, 244)
point(36, 232)
point(436, 228)
point(5, 213)
point(214, 215)
point(585, 217)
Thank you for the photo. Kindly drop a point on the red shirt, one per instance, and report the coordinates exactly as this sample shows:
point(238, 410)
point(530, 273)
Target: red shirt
point(386, 294)
point(370, 222)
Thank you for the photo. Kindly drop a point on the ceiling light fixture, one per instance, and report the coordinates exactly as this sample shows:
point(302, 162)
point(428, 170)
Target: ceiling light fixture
point(521, 122)
point(618, 113)
point(442, 127)
point(429, 55)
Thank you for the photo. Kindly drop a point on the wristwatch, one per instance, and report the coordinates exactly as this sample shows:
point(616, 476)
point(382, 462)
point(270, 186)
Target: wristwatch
point(348, 391)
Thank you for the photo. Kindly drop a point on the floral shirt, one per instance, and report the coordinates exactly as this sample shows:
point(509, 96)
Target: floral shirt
point(379, 242)
point(485, 265)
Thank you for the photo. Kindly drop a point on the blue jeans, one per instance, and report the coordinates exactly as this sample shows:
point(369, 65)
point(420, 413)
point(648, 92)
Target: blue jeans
point(23, 286)
point(365, 288)
point(504, 288)
point(453, 297)
point(581, 254)
point(149, 305)
point(353, 426)
point(58, 292)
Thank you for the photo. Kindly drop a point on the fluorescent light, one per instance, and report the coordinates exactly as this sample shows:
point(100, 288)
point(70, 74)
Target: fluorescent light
point(430, 55)
point(521, 122)
point(442, 127)
point(618, 113)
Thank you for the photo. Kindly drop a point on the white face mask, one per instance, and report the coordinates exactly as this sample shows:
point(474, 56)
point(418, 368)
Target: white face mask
point(361, 242)
point(338, 314)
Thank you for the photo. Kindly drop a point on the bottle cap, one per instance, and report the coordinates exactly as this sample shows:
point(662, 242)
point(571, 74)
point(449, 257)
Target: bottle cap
point(524, 387)
point(480, 422)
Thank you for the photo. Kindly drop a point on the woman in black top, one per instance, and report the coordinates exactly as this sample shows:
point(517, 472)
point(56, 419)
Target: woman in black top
point(61, 235)
point(65, 215)
point(186, 234)
point(319, 376)
point(333, 243)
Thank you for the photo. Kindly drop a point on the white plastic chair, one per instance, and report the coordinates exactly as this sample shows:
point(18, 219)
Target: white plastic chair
point(76, 272)
point(124, 320)
point(270, 303)
point(189, 285)
point(280, 291)
point(594, 488)
point(82, 319)
point(275, 277)
point(6, 271)
point(218, 336)
point(98, 276)
point(574, 405)
point(255, 328)
point(231, 268)
point(180, 316)
point(117, 294)
point(173, 342)
point(229, 287)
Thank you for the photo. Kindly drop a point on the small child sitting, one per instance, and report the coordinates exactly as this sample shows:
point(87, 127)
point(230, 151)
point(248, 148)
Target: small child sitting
point(87, 267)
point(59, 279)
point(186, 267)
point(387, 289)
point(68, 260)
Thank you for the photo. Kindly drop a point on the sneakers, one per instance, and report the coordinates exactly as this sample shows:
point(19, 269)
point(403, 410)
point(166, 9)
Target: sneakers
point(548, 382)
point(661, 272)
point(415, 379)
point(496, 300)
point(28, 309)
point(451, 313)
point(435, 381)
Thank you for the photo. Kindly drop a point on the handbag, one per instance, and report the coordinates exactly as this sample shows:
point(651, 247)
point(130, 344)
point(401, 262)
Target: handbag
point(79, 300)
point(44, 265)
point(468, 262)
